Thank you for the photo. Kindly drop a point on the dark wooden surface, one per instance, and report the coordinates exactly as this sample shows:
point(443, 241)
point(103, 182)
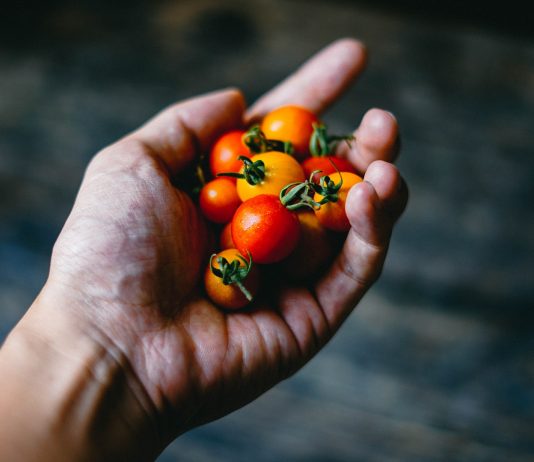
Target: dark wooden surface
point(437, 364)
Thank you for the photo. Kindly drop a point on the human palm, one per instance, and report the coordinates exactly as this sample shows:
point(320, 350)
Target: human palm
point(132, 251)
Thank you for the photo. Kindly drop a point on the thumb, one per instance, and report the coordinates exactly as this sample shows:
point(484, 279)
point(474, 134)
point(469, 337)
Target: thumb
point(180, 132)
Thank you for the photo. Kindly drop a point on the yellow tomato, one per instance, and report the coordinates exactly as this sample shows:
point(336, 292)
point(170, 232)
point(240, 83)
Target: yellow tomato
point(280, 170)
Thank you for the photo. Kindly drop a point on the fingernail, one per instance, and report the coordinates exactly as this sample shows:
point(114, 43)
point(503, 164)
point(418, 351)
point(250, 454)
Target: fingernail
point(391, 115)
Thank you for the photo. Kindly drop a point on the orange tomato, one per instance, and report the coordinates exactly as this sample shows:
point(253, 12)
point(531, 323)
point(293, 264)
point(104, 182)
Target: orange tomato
point(290, 123)
point(280, 170)
point(225, 239)
point(224, 153)
point(332, 214)
point(219, 200)
point(230, 296)
point(313, 250)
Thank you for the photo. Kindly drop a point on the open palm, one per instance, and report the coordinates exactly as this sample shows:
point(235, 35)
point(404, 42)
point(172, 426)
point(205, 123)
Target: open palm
point(134, 246)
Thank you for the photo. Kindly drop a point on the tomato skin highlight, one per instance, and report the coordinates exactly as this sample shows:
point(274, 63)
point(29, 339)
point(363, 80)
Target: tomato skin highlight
point(265, 228)
point(324, 164)
point(218, 200)
point(313, 251)
point(332, 214)
point(290, 123)
point(225, 152)
point(280, 170)
point(230, 296)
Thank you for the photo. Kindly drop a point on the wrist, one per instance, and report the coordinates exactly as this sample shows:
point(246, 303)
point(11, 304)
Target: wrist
point(71, 391)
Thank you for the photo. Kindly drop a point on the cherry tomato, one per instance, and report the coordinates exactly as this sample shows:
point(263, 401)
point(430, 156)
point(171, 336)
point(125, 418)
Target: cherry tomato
point(332, 214)
point(219, 200)
point(324, 164)
point(225, 239)
point(290, 123)
point(313, 251)
point(230, 296)
point(226, 150)
point(265, 228)
point(280, 170)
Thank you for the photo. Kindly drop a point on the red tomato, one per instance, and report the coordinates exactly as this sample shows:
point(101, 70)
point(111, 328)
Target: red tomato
point(324, 164)
point(265, 228)
point(313, 251)
point(219, 200)
point(225, 151)
point(290, 123)
point(225, 239)
point(230, 296)
point(332, 214)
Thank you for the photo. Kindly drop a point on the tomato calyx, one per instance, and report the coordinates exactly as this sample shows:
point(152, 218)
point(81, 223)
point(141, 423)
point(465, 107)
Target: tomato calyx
point(323, 144)
point(253, 172)
point(233, 272)
point(258, 143)
point(328, 189)
point(298, 195)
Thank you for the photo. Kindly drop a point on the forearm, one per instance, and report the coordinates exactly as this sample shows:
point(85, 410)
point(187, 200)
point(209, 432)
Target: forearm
point(66, 394)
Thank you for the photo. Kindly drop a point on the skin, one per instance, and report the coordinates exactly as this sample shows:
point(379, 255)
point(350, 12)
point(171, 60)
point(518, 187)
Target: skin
point(120, 353)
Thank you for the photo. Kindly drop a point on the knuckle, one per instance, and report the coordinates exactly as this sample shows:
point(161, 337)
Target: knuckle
point(126, 154)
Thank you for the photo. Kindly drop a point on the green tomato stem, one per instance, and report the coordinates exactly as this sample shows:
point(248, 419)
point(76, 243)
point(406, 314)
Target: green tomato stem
point(244, 290)
point(233, 272)
point(323, 144)
point(258, 143)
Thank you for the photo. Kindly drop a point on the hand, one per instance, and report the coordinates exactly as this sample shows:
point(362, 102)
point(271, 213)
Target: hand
point(125, 269)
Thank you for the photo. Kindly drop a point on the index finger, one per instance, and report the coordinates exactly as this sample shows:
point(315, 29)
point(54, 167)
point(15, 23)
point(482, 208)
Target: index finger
point(318, 82)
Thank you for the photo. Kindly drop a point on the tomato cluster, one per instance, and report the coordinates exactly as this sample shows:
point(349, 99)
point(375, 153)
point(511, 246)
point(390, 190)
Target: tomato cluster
point(279, 193)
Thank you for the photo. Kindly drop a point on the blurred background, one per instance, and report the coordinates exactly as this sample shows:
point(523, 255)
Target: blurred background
point(437, 364)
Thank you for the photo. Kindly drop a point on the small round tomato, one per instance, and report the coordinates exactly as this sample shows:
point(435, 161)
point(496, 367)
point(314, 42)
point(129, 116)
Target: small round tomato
point(265, 228)
point(332, 214)
point(219, 200)
point(225, 239)
point(313, 250)
point(324, 163)
point(290, 123)
point(231, 285)
point(225, 152)
point(279, 169)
